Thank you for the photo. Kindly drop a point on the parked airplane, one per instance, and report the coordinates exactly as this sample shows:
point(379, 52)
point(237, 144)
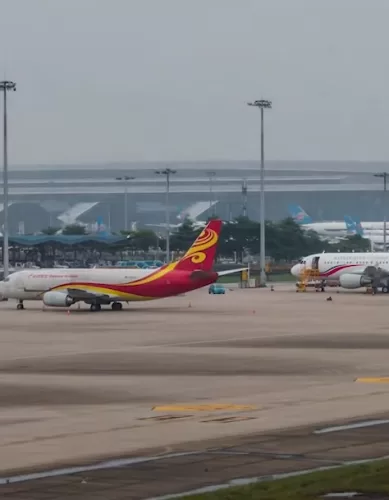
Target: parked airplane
point(327, 229)
point(300, 216)
point(350, 270)
point(376, 236)
point(99, 287)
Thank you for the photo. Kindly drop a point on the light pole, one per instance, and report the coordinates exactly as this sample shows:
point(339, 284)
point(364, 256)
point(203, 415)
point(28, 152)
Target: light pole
point(211, 175)
point(244, 197)
point(125, 179)
point(5, 86)
point(168, 172)
point(384, 175)
point(262, 104)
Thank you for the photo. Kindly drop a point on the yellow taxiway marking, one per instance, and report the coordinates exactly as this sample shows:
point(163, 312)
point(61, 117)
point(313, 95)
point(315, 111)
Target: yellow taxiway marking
point(373, 380)
point(204, 407)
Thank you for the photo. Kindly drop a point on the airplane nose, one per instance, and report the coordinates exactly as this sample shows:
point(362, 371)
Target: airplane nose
point(295, 270)
point(2, 290)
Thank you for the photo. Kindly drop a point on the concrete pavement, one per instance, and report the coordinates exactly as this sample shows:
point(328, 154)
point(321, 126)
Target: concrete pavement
point(79, 387)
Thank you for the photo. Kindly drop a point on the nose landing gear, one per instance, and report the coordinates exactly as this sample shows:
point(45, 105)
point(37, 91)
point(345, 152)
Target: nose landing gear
point(20, 305)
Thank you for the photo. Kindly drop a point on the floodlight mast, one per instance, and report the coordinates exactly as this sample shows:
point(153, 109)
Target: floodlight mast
point(167, 172)
point(5, 86)
point(262, 104)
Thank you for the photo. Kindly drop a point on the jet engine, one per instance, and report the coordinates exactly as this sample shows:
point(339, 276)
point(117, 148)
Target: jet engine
point(352, 281)
point(57, 299)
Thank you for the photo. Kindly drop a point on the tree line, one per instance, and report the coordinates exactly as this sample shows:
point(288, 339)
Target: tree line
point(285, 240)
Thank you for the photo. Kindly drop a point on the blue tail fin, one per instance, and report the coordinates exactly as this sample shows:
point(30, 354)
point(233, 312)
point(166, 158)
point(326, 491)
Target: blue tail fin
point(353, 226)
point(100, 227)
point(299, 215)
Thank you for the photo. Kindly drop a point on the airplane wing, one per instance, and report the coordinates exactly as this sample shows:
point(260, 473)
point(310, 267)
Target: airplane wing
point(199, 274)
point(371, 272)
point(374, 272)
point(231, 271)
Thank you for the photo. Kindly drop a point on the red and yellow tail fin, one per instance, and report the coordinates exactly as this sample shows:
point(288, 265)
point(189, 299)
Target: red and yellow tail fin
point(201, 254)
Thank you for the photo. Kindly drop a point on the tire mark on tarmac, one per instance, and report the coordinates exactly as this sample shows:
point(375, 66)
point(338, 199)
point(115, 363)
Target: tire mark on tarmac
point(198, 343)
point(162, 363)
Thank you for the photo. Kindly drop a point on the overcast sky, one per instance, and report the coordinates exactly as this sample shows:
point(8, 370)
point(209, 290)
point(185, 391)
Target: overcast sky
point(128, 80)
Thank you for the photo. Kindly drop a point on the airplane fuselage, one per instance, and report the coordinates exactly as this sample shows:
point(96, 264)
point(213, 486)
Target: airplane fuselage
point(333, 265)
point(340, 228)
point(117, 284)
point(31, 284)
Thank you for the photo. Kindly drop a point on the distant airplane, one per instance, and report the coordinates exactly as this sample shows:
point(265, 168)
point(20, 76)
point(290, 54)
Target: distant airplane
point(376, 237)
point(300, 216)
point(327, 229)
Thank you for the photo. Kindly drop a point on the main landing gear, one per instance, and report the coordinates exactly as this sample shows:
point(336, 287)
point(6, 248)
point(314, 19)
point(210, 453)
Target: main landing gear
point(20, 305)
point(116, 306)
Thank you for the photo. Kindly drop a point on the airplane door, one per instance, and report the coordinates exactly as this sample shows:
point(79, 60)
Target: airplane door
point(16, 281)
point(315, 263)
point(13, 286)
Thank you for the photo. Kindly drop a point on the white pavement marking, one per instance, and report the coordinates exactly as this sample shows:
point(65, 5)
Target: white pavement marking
point(261, 479)
point(109, 464)
point(357, 425)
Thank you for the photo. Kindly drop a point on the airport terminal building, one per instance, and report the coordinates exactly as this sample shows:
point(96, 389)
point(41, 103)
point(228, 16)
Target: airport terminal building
point(44, 195)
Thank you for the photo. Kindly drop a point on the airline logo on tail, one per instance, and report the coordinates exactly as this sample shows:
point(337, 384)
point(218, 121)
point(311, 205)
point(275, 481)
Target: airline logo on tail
point(201, 254)
point(353, 226)
point(299, 215)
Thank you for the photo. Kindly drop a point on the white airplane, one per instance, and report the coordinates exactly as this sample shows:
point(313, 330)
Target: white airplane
point(329, 228)
point(350, 270)
point(326, 229)
point(99, 286)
